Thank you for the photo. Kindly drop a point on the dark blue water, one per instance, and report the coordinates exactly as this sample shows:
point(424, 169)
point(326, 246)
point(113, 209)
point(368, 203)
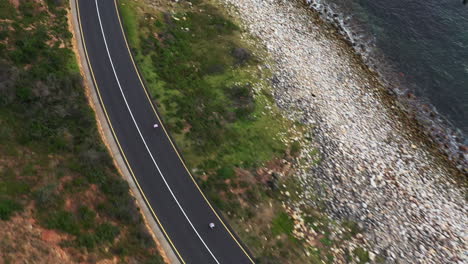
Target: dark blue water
point(420, 48)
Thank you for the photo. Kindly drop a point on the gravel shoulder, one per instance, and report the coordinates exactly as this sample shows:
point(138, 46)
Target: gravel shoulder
point(373, 168)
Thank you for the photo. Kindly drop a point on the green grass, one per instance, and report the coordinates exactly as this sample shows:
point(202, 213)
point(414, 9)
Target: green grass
point(282, 224)
point(214, 97)
point(130, 25)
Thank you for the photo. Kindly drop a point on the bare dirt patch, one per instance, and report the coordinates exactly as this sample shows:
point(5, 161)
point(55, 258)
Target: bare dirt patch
point(22, 241)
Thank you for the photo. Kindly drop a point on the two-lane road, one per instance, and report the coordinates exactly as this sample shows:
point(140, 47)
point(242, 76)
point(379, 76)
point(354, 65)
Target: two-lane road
point(177, 203)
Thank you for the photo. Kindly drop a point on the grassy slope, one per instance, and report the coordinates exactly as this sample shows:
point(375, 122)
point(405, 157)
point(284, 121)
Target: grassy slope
point(216, 100)
point(52, 161)
point(207, 85)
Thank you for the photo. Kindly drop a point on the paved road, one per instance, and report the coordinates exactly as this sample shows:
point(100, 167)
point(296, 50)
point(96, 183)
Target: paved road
point(176, 201)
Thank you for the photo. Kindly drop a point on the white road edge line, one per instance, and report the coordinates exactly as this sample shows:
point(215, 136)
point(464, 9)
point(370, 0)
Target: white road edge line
point(142, 138)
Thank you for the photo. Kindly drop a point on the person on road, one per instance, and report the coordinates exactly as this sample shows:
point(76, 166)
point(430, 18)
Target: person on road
point(212, 225)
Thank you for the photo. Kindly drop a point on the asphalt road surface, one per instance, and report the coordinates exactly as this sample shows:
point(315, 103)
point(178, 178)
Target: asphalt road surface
point(177, 203)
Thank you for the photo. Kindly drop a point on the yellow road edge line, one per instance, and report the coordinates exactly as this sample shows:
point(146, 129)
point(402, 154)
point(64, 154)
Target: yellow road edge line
point(170, 140)
point(117, 140)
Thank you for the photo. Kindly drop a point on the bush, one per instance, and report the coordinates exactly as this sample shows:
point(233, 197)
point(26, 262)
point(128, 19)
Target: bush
point(282, 224)
point(352, 229)
point(55, 3)
point(28, 8)
point(77, 184)
point(86, 217)
point(63, 221)
point(115, 187)
point(140, 237)
point(241, 55)
point(46, 198)
point(8, 207)
point(122, 209)
point(295, 148)
point(45, 112)
point(107, 232)
point(7, 10)
point(86, 240)
point(226, 173)
point(155, 259)
point(362, 254)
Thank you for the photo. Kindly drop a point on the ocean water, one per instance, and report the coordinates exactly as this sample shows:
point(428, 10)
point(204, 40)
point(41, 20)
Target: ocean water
point(420, 50)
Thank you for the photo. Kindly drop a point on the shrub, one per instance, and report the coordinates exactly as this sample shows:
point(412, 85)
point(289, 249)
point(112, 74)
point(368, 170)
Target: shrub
point(226, 173)
point(353, 229)
point(63, 221)
point(10, 185)
point(86, 217)
point(106, 232)
point(8, 207)
point(122, 209)
point(241, 55)
point(362, 254)
point(155, 259)
point(295, 148)
point(86, 240)
point(282, 224)
point(115, 187)
point(94, 174)
point(77, 184)
point(138, 238)
point(27, 8)
point(55, 3)
point(46, 198)
point(7, 10)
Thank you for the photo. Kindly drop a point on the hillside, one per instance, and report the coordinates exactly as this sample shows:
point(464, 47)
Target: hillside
point(61, 198)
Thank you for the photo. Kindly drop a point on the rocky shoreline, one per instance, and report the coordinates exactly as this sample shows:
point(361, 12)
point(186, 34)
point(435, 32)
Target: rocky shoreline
point(373, 169)
point(436, 128)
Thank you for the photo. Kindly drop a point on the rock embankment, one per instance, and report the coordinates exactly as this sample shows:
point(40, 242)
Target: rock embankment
point(373, 170)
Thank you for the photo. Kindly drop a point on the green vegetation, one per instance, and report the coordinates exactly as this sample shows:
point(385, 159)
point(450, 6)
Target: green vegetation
point(362, 254)
point(52, 158)
point(352, 229)
point(217, 105)
point(216, 101)
point(211, 110)
point(7, 11)
point(7, 208)
point(282, 224)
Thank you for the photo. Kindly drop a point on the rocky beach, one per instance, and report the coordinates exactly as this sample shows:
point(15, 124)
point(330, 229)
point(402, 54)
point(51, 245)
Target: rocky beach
point(375, 168)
